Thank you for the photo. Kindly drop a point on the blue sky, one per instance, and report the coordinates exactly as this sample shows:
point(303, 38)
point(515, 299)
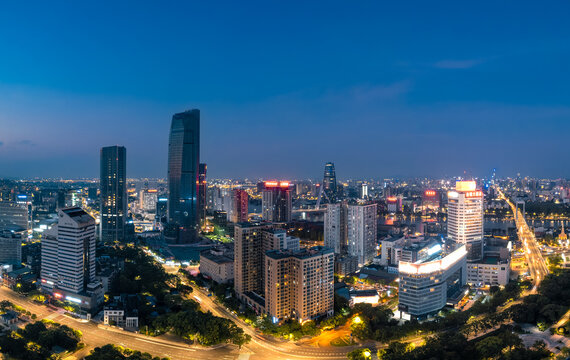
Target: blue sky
point(380, 88)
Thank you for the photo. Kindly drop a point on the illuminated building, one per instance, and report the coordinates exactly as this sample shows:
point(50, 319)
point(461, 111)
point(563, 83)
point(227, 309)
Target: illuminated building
point(161, 209)
point(495, 267)
point(68, 259)
point(299, 284)
point(362, 232)
point(13, 214)
point(329, 182)
point(465, 218)
point(202, 188)
point(113, 184)
point(335, 227)
point(276, 201)
point(148, 199)
point(431, 200)
point(363, 190)
point(217, 265)
point(10, 247)
point(240, 201)
point(183, 178)
point(426, 285)
point(394, 204)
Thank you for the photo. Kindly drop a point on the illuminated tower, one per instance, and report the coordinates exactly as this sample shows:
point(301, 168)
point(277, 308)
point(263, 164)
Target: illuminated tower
point(202, 192)
point(183, 179)
point(113, 184)
point(329, 182)
point(465, 218)
point(276, 201)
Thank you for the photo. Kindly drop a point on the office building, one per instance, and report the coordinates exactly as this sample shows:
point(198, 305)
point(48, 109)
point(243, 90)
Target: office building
point(299, 284)
point(362, 232)
point(148, 199)
point(495, 267)
point(10, 247)
point(363, 191)
point(202, 188)
point(183, 175)
point(240, 201)
point(335, 222)
point(426, 285)
point(465, 218)
point(329, 182)
point(276, 201)
point(68, 259)
point(113, 185)
point(248, 258)
point(161, 209)
point(13, 215)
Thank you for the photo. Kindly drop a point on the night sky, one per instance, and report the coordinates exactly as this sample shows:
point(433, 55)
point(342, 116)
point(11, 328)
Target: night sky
point(382, 89)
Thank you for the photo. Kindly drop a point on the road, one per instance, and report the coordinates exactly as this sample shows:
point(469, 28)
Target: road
point(536, 262)
point(260, 348)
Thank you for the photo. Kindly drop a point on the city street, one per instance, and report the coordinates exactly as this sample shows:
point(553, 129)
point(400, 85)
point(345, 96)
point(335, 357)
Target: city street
point(98, 335)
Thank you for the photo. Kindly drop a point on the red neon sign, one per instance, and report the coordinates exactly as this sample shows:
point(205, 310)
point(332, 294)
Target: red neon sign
point(271, 183)
point(430, 193)
point(284, 184)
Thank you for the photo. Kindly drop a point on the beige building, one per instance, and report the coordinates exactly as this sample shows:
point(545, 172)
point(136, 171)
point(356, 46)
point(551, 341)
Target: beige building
point(217, 265)
point(299, 284)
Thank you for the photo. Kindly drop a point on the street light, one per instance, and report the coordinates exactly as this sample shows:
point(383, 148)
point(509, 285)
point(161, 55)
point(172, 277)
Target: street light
point(367, 354)
point(356, 320)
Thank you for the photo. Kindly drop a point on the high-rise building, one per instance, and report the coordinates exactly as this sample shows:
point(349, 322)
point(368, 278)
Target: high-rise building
point(329, 182)
point(425, 285)
point(202, 188)
point(465, 218)
point(113, 184)
point(335, 227)
point(276, 201)
point(299, 284)
point(148, 199)
point(363, 191)
point(161, 208)
point(13, 214)
point(362, 232)
point(183, 174)
point(248, 258)
point(68, 259)
point(240, 201)
point(10, 247)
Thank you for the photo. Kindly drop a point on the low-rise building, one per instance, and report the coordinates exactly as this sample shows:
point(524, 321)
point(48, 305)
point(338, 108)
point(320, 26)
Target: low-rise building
point(123, 312)
point(217, 265)
point(363, 297)
point(495, 267)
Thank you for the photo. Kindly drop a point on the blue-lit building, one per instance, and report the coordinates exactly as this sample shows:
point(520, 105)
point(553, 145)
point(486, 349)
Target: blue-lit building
point(183, 175)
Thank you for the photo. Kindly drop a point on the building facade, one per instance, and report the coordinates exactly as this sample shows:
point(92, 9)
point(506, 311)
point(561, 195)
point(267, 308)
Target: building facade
point(362, 232)
point(335, 227)
point(276, 201)
point(202, 189)
point(299, 284)
point(183, 179)
point(425, 286)
point(465, 218)
point(113, 182)
point(329, 182)
point(240, 209)
point(10, 247)
point(217, 265)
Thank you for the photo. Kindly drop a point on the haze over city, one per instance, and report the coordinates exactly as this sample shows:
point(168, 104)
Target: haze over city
point(382, 89)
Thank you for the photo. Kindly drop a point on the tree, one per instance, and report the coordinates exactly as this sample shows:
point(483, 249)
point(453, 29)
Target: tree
point(359, 354)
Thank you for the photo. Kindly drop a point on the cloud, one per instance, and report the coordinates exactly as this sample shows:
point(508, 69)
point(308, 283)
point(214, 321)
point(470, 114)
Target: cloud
point(457, 64)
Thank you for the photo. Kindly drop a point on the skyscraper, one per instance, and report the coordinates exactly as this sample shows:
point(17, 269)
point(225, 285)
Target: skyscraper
point(11, 247)
point(68, 259)
point(202, 192)
point(329, 182)
point(183, 179)
point(276, 201)
point(361, 232)
point(335, 227)
point(465, 218)
point(239, 206)
point(113, 193)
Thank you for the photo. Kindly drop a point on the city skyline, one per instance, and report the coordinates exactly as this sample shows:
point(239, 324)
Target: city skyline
point(370, 96)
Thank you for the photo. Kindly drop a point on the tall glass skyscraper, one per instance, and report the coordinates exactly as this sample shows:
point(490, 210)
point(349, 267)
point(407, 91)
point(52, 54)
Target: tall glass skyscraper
point(113, 184)
point(329, 181)
point(183, 175)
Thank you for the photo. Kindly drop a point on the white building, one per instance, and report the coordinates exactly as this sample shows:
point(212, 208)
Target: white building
point(148, 199)
point(217, 266)
point(335, 227)
point(465, 218)
point(361, 232)
point(425, 285)
point(68, 258)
